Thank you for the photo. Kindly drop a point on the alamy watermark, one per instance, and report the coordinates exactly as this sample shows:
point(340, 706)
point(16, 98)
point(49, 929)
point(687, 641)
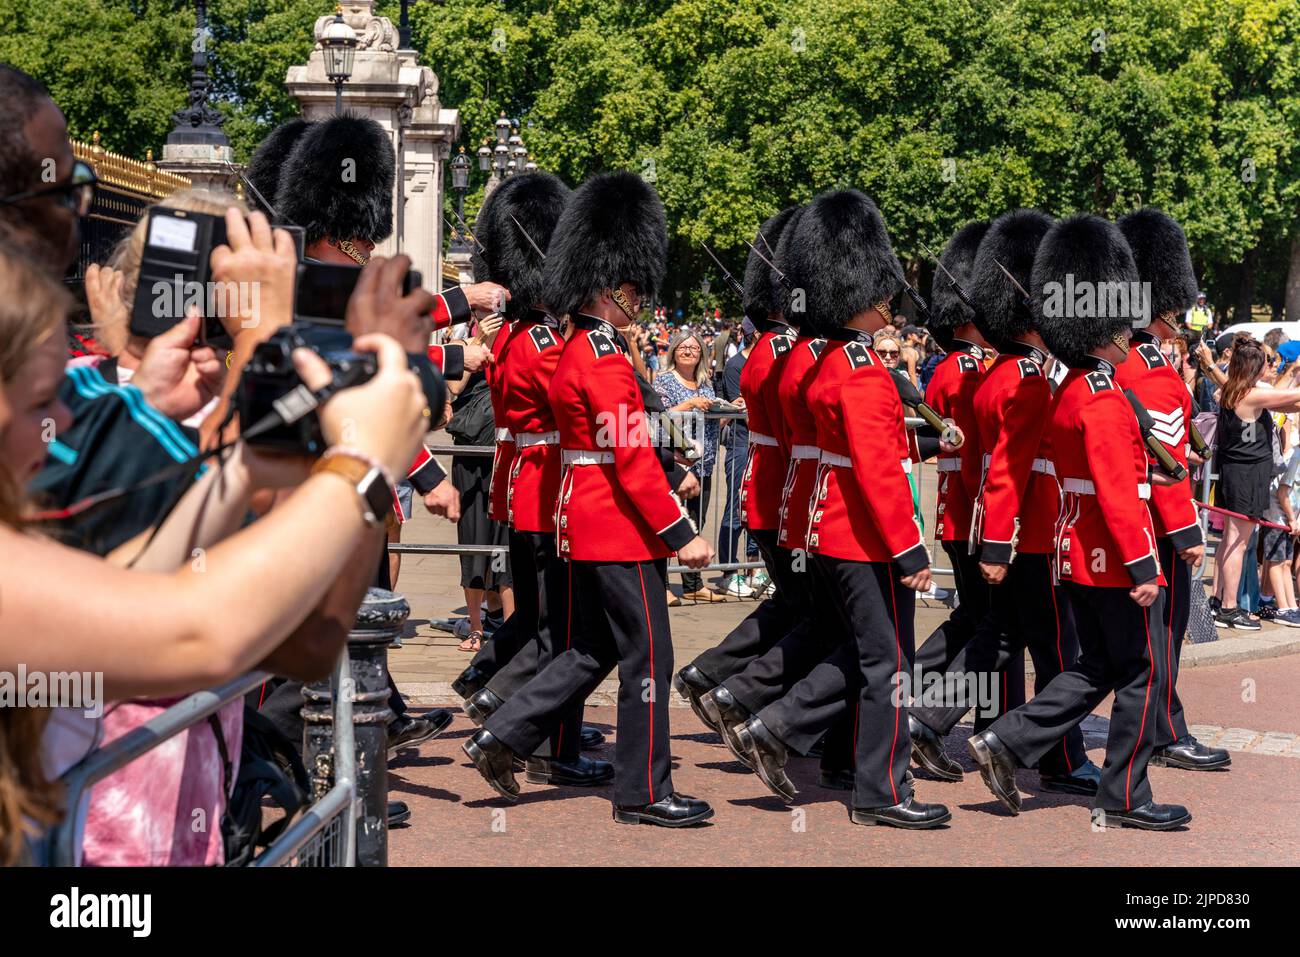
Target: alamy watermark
point(83, 690)
point(173, 299)
point(1096, 300)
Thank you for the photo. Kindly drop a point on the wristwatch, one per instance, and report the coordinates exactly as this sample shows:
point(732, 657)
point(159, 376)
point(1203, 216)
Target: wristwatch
point(369, 481)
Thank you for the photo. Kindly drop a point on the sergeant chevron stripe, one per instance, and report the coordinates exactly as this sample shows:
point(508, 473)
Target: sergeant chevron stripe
point(1168, 426)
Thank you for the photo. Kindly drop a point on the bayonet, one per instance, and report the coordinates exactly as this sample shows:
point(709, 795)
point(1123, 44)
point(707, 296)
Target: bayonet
point(726, 273)
point(952, 280)
point(779, 275)
point(537, 249)
point(1028, 298)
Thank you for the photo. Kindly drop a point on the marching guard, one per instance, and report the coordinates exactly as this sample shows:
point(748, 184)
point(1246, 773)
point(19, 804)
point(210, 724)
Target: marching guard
point(616, 518)
point(1163, 260)
point(1104, 548)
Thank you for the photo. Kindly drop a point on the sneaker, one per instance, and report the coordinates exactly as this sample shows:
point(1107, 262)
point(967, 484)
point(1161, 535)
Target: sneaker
point(760, 582)
point(1239, 619)
point(736, 585)
point(1290, 617)
point(1267, 611)
point(1214, 603)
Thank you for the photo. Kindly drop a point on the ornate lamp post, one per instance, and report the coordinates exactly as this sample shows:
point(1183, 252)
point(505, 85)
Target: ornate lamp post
point(338, 44)
point(198, 123)
point(460, 186)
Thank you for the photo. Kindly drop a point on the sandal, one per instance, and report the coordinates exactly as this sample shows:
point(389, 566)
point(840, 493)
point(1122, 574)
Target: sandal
point(473, 642)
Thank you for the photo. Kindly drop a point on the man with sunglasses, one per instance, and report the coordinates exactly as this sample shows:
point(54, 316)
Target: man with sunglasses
point(46, 188)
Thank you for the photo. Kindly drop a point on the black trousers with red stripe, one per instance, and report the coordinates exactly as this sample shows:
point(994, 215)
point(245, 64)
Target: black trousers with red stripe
point(1026, 611)
point(1122, 651)
point(877, 612)
point(512, 637)
point(1178, 608)
point(770, 621)
point(945, 650)
point(542, 610)
point(619, 619)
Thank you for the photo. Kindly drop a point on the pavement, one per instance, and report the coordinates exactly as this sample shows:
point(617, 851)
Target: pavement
point(1238, 691)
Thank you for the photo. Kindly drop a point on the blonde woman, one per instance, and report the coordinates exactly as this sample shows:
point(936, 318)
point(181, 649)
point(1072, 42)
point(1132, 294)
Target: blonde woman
point(685, 389)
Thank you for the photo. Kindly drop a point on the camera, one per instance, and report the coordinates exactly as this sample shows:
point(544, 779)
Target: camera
point(270, 376)
point(323, 290)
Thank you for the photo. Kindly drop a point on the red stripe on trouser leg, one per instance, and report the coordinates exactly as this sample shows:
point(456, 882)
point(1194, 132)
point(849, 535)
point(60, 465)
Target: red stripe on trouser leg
point(898, 651)
point(1151, 673)
point(1060, 659)
point(568, 643)
point(1169, 655)
point(650, 757)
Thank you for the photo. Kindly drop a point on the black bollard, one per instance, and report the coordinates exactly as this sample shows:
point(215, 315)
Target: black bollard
point(378, 621)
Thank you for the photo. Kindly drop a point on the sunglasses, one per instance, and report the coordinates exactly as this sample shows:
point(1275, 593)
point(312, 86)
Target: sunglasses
point(76, 195)
point(887, 353)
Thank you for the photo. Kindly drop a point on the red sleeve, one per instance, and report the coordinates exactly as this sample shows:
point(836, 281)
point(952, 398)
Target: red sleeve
point(1024, 416)
point(1110, 432)
point(873, 416)
point(425, 473)
point(450, 308)
point(619, 412)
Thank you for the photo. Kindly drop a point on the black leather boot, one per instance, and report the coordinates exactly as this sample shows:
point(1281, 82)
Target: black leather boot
point(1149, 817)
point(676, 810)
point(724, 713)
point(581, 773)
point(767, 756)
point(909, 813)
point(481, 706)
point(1189, 754)
point(494, 761)
point(928, 753)
point(692, 683)
point(997, 767)
point(470, 681)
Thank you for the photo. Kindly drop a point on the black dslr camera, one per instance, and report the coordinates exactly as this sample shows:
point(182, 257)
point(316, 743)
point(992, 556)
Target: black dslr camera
point(267, 388)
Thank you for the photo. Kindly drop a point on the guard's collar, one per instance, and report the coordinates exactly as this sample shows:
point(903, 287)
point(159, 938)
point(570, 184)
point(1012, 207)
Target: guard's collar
point(962, 345)
point(776, 326)
point(1092, 364)
point(596, 324)
point(1143, 337)
point(1025, 350)
point(846, 334)
point(540, 317)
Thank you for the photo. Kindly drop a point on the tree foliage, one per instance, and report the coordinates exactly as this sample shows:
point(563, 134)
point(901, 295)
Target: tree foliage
point(943, 111)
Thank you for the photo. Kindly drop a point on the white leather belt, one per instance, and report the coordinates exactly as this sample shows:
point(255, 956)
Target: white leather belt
point(805, 452)
point(525, 440)
point(758, 438)
point(504, 435)
point(952, 464)
point(844, 462)
point(585, 457)
point(1040, 465)
point(1085, 487)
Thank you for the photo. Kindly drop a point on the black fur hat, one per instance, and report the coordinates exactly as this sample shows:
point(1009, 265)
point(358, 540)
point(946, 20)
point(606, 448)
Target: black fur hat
point(947, 311)
point(338, 181)
point(1163, 259)
point(269, 158)
point(612, 231)
point(764, 293)
point(778, 290)
point(1085, 285)
point(536, 200)
point(1012, 239)
point(840, 258)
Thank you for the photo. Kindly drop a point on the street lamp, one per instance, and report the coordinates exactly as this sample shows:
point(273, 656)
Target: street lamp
point(338, 44)
point(460, 186)
point(484, 156)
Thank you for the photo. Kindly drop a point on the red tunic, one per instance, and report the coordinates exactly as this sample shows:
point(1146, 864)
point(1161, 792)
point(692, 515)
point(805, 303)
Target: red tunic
point(527, 365)
point(503, 458)
point(760, 495)
point(798, 370)
point(1161, 390)
point(1018, 500)
point(951, 393)
point(862, 508)
point(614, 502)
point(1104, 536)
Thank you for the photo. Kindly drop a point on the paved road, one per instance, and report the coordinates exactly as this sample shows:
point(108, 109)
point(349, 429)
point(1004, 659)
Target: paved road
point(1248, 815)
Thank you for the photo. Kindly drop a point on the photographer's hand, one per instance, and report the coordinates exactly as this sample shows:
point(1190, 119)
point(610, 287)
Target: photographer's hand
point(108, 310)
point(175, 378)
point(263, 266)
point(377, 305)
point(385, 417)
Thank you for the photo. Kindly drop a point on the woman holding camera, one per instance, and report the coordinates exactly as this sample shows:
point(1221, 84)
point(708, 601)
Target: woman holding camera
point(153, 633)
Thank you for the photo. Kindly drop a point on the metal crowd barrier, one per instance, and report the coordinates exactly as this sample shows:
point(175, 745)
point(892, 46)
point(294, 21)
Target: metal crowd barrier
point(324, 834)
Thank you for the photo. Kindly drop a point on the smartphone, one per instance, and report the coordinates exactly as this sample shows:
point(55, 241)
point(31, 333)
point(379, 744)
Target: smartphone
point(175, 274)
point(324, 289)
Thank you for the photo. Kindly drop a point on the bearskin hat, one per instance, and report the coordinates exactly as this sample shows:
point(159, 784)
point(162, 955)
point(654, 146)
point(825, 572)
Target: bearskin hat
point(1001, 313)
point(777, 288)
point(764, 293)
point(612, 232)
point(269, 158)
point(338, 180)
point(528, 201)
point(1085, 285)
point(1163, 259)
point(840, 257)
point(947, 311)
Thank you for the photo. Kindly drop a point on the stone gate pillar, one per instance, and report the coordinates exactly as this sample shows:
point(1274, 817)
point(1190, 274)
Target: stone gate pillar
point(391, 87)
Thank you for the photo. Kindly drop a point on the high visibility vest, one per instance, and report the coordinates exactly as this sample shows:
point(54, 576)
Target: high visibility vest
point(1199, 317)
